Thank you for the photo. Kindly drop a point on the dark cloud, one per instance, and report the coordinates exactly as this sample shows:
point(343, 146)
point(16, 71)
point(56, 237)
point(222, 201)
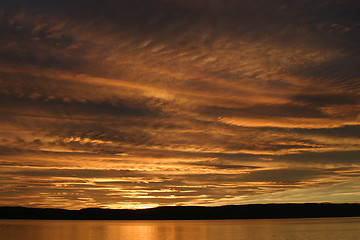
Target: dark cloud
point(342, 132)
point(64, 108)
point(77, 173)
point(283, 110)
point(327, 99)
point(285, 175)
point(345, 158)
point(268, 176)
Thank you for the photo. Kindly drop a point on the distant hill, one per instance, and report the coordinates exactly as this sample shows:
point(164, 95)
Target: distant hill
point(253, 211)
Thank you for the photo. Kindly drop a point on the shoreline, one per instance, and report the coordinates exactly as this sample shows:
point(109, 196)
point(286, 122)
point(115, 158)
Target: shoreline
point(231, 212)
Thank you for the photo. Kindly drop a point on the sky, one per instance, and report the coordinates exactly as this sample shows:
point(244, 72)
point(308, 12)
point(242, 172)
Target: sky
point(138, 103)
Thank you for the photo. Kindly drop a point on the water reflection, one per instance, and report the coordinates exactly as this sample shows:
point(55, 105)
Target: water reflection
point(304, 229)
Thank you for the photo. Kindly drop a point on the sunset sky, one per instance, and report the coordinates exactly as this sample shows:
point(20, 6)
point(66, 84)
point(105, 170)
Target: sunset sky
point(145, 103)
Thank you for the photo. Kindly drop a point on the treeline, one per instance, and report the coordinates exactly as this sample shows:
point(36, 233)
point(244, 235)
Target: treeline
point(253, 211)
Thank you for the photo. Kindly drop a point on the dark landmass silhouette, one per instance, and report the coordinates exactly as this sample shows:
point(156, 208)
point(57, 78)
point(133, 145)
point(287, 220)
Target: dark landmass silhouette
point(253, 211)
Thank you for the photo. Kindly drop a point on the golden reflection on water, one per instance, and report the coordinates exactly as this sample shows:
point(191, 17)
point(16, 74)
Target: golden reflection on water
point(281, 229)
point(154, 230)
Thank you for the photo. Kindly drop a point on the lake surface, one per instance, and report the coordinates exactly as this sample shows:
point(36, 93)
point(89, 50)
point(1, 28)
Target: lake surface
point(255, 229)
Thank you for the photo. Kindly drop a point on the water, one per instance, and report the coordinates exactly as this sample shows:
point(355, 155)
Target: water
point(275, 229)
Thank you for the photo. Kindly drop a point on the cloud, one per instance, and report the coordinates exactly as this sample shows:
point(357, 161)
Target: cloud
point(186, 102)
point(284, 175)
point(77, 173)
